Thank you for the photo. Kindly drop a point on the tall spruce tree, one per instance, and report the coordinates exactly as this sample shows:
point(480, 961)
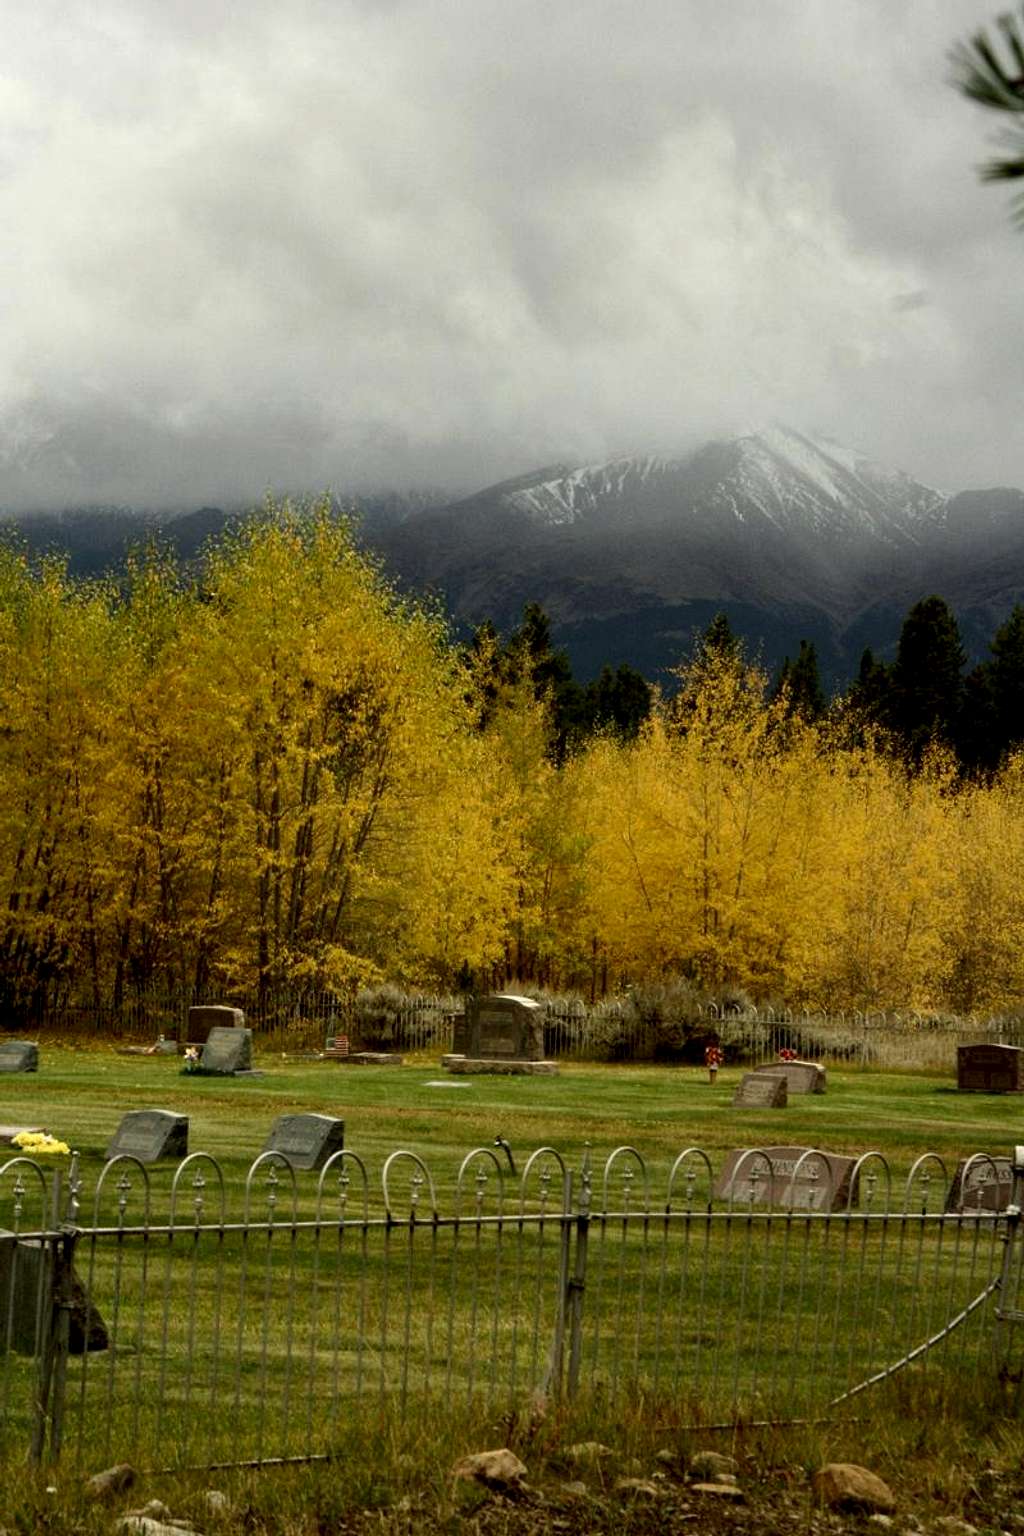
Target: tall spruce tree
point(800, 683)
point(1006, 677)
point(926, 684)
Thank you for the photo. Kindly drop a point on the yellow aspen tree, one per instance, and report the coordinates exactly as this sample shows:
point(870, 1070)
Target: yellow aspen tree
point(327, 693)
point(57, 648)
point(983, 932)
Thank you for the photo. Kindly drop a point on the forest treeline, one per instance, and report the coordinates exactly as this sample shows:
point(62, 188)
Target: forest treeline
point(279, 773)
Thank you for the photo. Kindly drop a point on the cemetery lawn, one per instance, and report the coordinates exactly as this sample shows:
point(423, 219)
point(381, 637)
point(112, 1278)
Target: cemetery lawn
point(79, 1095)
point(238, 1347)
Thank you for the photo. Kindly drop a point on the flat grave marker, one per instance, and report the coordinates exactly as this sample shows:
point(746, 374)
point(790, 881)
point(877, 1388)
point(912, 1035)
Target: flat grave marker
point(150, 1134)
point(19, 1056)
point(761, 1090)
point(8, 1132)
point(307, 1141)
point(990, 1068)
point(765, 1176)
point(801, 1076)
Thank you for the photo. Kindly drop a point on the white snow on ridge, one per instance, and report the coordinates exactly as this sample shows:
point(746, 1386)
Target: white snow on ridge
point(804, 458)
point(793, 481)
point(571, 496)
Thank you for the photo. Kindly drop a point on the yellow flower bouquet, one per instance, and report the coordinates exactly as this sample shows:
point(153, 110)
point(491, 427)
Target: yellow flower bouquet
point(39, 1144)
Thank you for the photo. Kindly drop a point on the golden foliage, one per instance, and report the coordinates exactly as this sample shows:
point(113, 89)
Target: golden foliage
point(282, 774)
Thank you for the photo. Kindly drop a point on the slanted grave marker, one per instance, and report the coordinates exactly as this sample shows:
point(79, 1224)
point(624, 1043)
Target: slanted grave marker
point(150, 1134)
point(801, 1076)
point(307, 1141)
point(761, 1090)
point(776, 1176)
point(981, 1184)
point(226, 1052)
point(19, 1056)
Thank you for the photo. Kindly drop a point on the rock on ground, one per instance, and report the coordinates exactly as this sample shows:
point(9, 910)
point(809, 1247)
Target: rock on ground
point(845, 1485)
point(711, 1467)
point(500, 1470)
point(104, 1485)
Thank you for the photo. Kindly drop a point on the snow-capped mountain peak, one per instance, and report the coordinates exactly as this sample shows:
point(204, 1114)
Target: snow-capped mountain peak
point(788, 480)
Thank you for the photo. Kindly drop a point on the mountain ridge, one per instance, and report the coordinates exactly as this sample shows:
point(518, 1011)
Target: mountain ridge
point(793, 536)
point(773, 525)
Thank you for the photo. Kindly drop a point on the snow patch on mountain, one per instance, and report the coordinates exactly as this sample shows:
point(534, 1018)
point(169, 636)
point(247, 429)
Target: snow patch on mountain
point(785, 478)
point(570, 497)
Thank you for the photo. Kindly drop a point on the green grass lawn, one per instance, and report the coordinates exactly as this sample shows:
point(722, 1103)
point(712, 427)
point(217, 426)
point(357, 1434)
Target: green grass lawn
point(231, 1344)
point(80, 1095)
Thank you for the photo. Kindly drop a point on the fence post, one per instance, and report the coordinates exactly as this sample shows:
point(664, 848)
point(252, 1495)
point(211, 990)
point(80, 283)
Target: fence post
point(576, 1282)
point(1006, 1313)
point(56, 1332)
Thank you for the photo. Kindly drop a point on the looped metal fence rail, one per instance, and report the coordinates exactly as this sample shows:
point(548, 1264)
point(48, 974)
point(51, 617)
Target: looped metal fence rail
point(193, 1318)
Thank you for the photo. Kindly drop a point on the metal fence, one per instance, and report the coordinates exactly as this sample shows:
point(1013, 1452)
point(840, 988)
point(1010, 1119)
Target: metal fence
point(911, 1041)
point(284, 1018)
point(612, 1030)
point(182, 1316)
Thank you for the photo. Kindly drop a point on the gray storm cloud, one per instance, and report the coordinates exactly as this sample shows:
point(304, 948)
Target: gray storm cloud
point(265, 247)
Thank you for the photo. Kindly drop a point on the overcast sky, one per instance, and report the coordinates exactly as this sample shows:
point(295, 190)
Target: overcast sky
point(367, 243)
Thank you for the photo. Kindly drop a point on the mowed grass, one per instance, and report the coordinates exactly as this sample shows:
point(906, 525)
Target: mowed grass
point(264, 1338)
point(80, 1095)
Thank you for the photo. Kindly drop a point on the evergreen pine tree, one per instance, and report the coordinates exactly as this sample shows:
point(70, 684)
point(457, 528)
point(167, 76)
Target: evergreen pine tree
point(924, 699)
point(1006, 679)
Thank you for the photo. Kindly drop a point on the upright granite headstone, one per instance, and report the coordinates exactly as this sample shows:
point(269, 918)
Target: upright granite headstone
point(150, 1134)
point(776, 1176)
point(25, 1295)
point(307, 1141)
point(761, 1090)
point(504, 1025)
point(211, 1016)
point(990, 1068)
point(985, 1185)
point(226, 1052)
point(460, 1031)
point(19, 1056)
point(801, 1076)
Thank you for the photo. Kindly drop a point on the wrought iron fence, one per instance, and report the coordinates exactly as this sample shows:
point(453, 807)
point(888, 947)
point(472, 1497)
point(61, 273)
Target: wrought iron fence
point(613, 1030)
point(180, 1317)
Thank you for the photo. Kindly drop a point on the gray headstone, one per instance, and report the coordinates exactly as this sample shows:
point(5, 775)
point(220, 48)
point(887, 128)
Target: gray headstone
point(307, 1141)
point(211, 1016)
point(150, 1134)
point(19, 1056)
point(775, 1176)
point(761, 1090)
point(990, 1068)
point(460, 1033)
point(504, 1026)
point(801, 1076)
point(986, 1185)
point(25, 1291)
point(226, 1051)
